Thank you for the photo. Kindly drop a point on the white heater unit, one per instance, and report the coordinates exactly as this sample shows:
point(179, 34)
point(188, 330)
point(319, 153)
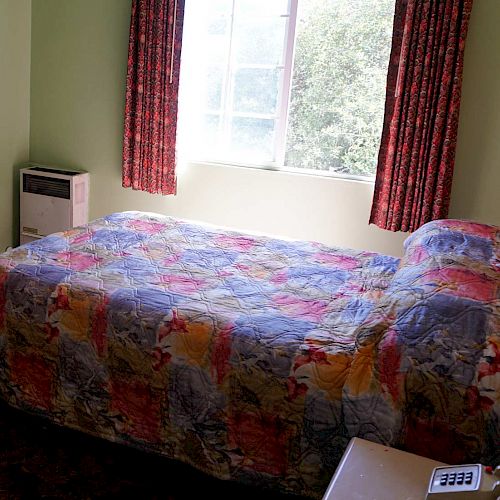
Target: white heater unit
point(52, 200)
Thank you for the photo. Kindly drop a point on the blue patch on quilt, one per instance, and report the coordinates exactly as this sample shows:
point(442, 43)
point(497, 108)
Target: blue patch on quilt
point(139, 311)
point(385, 263)
point(45, 273)
point(272, 329)
point(242, 288)
point(454, 243)
point(269, 342)
point(113, 239)
point(461, 320)
point(356, 311)
point(118, 217)
point(289, 248)
point(134, 267)
point(52, 243)
point(211, 257)
point(318, 276)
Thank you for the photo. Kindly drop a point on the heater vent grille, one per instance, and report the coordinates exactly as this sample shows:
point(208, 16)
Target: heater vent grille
point(47, 186)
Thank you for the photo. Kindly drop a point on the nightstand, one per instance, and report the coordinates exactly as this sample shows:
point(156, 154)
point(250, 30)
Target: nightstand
point(370, 471)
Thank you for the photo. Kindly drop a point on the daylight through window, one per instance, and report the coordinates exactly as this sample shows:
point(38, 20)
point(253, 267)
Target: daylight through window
point(298, 84)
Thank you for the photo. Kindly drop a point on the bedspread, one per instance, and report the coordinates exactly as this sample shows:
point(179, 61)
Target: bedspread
point(253, 358)
point(226, 351)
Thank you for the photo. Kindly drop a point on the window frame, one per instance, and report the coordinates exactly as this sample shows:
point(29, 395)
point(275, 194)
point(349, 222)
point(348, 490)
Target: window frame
point(282, 111)
point(285, 88)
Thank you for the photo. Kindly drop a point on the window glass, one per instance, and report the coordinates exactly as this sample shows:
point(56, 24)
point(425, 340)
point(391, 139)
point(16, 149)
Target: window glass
point(256, 90)
point(259, 40)
point(251, 139)
point(338, 85)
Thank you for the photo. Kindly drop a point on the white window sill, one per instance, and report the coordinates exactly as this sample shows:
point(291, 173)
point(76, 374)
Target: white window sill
point(287, 170)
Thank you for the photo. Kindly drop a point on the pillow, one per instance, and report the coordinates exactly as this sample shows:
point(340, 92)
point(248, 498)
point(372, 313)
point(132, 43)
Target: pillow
point(455, 239)
point(456, 257)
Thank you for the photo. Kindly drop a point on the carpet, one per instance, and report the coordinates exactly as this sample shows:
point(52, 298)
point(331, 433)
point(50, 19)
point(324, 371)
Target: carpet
point(41, 460)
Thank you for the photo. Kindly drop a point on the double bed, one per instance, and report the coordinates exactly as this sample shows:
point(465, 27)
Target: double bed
point(256, 359)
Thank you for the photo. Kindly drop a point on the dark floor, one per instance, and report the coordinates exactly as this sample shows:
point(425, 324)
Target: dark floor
point(41, 460)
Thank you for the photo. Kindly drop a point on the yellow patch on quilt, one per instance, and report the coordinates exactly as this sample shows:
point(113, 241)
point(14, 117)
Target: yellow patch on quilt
point(76, 320)
point(361, 372)
point(192, 345)
point(329, 375)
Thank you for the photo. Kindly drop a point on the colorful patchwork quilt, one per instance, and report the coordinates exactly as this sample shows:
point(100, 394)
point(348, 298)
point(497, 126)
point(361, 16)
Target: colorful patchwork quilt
point(252, 358)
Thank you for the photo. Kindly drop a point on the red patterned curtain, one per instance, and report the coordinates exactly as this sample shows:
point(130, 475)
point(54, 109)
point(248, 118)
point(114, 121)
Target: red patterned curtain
point(151, 96)
point(417, 151)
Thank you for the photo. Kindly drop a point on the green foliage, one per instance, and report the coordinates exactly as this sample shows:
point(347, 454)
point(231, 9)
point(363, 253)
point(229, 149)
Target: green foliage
point(338, 88)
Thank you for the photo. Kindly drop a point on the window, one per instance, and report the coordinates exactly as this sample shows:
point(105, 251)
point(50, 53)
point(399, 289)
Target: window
point(296, 84)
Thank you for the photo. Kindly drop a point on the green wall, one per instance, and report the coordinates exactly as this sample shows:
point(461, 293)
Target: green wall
point(476, 183)
point(78, 68)
point(15, 25)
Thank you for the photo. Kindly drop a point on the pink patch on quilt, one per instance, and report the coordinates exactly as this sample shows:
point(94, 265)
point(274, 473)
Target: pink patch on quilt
point(389, 360)
point(296, 307)
point(342, 261)
point(349, 289)
point(241, 243)
point(222, 273)
point(181, 284)
point(34, 376)
point(242, 267)
point(147, 227)
point(280, 278)
point(171, 259)
point(81, 238)
point(135, 401)
point(464, 283)
point(472, 227)
point(415, 256)
point(77, 261)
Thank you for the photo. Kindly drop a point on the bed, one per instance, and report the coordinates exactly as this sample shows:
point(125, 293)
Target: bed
point(252, 358)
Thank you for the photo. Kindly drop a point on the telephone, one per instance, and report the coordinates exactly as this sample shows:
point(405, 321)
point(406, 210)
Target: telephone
point(464, 482)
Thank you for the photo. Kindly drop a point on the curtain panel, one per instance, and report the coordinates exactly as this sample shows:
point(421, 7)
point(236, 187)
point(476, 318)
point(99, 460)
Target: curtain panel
point(152, 89)
point(417, 152)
